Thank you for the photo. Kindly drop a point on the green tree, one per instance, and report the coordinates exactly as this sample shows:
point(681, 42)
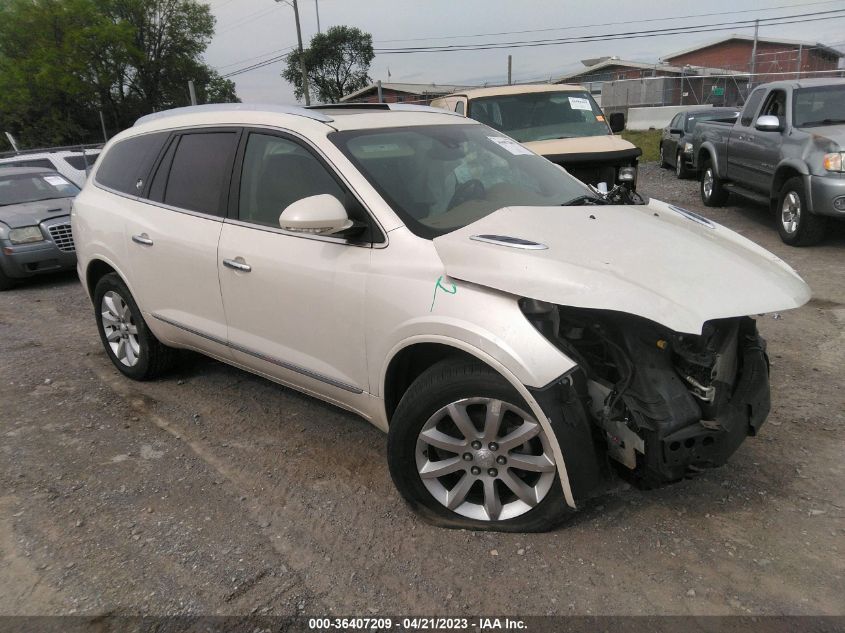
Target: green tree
point(337, 63)
point(63, 61)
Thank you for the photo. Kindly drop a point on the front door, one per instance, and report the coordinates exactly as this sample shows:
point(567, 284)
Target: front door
point(294, 303)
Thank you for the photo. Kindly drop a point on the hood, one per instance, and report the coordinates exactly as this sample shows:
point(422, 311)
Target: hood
point(656, 261)
point(831, 133)
point(582, 145)
point(30, 213)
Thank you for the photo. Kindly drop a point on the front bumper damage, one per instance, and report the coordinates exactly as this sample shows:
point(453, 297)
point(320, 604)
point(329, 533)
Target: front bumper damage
point(657, 406)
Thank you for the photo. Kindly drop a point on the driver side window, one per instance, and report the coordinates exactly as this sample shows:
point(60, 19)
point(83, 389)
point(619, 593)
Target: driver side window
point(775, 105)
point(276, 173)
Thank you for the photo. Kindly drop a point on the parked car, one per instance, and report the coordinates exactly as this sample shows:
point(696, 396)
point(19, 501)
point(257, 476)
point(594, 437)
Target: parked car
point(560, 122)
point(35, 233)
point(787, 151)
point(72, 164)
point(676, 140)
point(510, 329)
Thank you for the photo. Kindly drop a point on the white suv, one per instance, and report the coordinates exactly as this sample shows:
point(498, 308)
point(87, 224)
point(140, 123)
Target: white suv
point(523, 339)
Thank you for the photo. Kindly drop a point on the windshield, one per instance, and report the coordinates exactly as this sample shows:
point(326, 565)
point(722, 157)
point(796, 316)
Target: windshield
point(439, 178)
point(540, 116)
point(694, 119)
point(819, 106)
point(22, 188)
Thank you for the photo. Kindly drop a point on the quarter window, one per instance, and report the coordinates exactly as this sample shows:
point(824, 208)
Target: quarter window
point(459, 107)
point(129, 161)
point(198, 174)
point(276, 173)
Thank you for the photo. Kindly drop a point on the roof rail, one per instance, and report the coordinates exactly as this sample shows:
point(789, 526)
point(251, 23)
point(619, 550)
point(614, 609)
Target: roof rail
point(235, 107)
point(50, 150)
point(396, 107)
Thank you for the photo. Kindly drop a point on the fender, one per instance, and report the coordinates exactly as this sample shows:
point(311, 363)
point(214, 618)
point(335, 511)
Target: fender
point(508, 375)
point(708, 147)
point(779, 178)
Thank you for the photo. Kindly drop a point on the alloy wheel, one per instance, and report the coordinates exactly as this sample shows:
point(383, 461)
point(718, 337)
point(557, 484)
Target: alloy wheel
point(485, 459)
point(120, 328)
point(790, 212)
point(707, 183)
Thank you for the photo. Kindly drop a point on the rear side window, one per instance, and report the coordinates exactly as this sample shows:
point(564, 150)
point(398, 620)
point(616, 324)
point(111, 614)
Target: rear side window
point(129, 162)
point(459, 107)
point(200, 171)
point(82, 162)
point(751, 107)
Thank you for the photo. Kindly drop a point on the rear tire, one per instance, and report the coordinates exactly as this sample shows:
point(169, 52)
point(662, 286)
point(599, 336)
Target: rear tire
point(128, 342)
point(479, 463)
point(796, 225)
point(713, 192)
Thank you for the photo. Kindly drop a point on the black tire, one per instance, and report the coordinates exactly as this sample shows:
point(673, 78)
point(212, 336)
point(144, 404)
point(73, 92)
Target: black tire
point(5, 282)
point(681, 170)
point(154, 358)
point(718, 195)
point(661, 160)
point(809, 229)
point(445, 382)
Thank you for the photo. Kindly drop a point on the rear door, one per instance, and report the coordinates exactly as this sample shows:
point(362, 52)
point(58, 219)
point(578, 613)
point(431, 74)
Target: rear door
point(172, 238)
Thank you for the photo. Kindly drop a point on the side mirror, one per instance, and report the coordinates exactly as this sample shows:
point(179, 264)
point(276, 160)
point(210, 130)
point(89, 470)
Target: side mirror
point(616, 122)
point(768, 123)
point(322, 215)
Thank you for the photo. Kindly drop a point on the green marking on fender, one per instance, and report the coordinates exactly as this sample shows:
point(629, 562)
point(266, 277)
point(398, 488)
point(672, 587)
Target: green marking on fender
point(439, 285)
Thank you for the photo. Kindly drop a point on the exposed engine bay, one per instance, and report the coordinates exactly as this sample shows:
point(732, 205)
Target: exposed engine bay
point(662, 405)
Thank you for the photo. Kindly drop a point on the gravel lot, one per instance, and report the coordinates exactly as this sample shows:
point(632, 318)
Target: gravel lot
point(214, 491)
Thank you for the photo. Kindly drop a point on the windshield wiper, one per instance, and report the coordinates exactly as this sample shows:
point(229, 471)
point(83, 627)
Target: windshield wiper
point(584, 199)
point(822, 122)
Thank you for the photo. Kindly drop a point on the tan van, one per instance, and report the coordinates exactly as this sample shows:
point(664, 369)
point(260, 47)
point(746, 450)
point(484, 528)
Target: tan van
point(560, 122)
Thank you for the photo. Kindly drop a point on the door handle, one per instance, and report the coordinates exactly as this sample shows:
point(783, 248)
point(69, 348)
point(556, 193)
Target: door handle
point(234, 264)
point(143, 239)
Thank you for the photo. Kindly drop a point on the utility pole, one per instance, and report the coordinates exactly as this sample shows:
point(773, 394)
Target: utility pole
point(800, 59)
point(380, 95)
point(103, 125)
point(510, 66)
point(293, 4)
point(754, 54)
point(192, 91)
point(317, 8)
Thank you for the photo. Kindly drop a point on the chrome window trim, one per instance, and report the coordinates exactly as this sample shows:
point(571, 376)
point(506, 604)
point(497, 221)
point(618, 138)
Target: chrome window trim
point(199, 214)
point(308, 236)
point(261, 356)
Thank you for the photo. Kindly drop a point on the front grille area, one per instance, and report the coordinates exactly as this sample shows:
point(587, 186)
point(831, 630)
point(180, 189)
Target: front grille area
point(63, 237)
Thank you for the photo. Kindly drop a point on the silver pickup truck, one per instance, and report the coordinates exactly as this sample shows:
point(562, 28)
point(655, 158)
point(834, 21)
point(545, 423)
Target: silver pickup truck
point(786, 150)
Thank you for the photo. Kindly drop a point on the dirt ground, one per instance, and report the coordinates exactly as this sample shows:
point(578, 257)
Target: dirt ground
point(213, 491)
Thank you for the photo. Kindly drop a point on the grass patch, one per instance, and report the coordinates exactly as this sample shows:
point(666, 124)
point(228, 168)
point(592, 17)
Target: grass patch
point(646, 140)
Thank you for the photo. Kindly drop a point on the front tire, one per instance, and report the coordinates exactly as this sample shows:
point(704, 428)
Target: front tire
point(681, 170)
point(465, 452)
point(796, 225)
point(713, 192)
point(128, 342)
point(662, 157)
point(5, 282)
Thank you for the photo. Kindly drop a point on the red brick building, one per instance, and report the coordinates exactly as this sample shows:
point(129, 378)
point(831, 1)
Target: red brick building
point(774, 57)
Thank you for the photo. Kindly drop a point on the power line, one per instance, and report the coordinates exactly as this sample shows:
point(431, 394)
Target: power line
point(260, 55)
point(699, 28)
point(585, 26)
point(248, 18)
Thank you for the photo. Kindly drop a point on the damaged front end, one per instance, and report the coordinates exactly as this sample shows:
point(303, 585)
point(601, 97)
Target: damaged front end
point(662, 404)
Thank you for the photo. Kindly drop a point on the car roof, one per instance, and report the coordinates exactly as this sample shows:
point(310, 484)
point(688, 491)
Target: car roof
point(707, 110)
point(30, 155)
point(497, 91)
point(24, 171)
point(327, 117)
point(811, 82)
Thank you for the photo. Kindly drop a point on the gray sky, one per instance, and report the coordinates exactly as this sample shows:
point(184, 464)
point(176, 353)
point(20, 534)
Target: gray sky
point(251, 30)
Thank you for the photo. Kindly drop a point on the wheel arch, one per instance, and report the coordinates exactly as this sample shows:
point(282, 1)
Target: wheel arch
point(410, 358)
point(784, 171)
